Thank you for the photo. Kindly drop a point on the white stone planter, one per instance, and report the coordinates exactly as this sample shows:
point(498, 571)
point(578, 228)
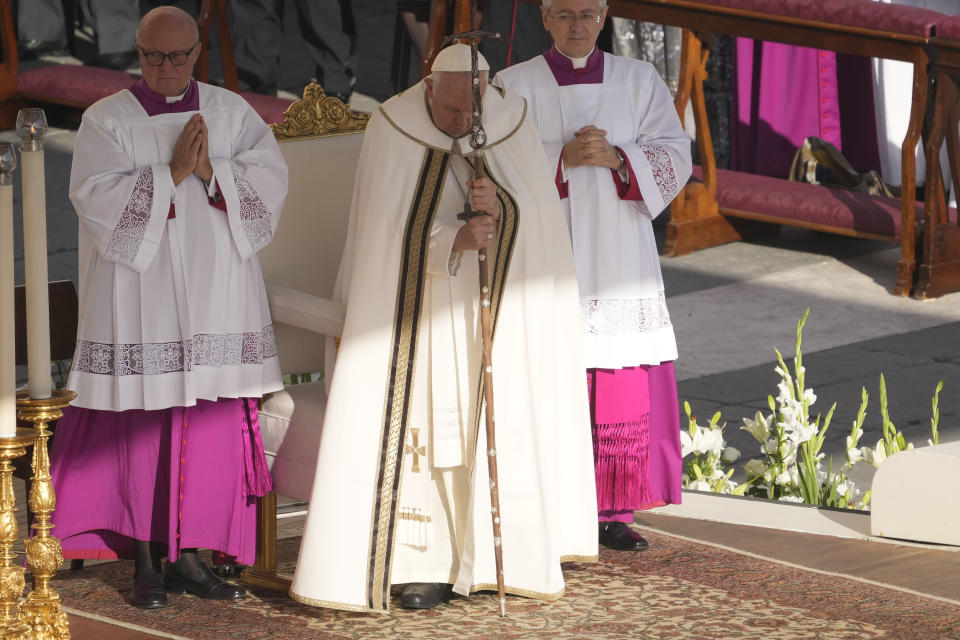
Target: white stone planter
point(773, 514)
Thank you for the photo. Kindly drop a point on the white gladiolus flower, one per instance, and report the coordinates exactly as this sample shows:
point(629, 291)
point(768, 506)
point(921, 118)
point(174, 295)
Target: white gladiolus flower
point(876, 456)
point(755, 468)
point(712, 441)
point(699, 485)
point(854, 454)
point(730, 455)
point(759, 427)
point(686, 445)
point(798, 433)
point(789, 413)
point(770, 447)
point(784, 392)
point(698, 443)
point(783, 479)
point(809, 396)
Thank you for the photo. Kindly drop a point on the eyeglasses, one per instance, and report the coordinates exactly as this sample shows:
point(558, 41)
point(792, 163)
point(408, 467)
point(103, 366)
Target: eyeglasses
point(567, 19)
point(177, 58)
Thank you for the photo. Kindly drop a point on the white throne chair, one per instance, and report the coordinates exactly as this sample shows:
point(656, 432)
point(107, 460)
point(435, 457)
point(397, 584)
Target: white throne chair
point(320, 139)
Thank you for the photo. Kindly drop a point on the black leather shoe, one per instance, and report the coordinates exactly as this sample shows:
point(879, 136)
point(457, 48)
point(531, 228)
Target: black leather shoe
point(207, 586)
point(425, 595)
point(619, 536)
point(148, 591)
point(33, 49)
point(228, 570)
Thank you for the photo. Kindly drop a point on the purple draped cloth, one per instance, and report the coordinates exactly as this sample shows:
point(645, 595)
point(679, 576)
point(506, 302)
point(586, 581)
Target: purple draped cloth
point(783, 94)
point(184, 477)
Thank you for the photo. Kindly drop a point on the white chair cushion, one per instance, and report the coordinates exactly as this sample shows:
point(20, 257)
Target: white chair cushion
point(290, 421)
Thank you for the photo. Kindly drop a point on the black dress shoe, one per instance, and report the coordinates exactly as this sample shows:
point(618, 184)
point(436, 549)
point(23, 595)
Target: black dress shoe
point(206, 585)
point(619, 536)
point(32, 49)
point(228, 570)
point(148, 591)
point(425, 595)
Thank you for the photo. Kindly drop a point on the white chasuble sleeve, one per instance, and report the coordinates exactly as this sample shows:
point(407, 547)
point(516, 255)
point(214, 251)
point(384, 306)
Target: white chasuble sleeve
point(660, 154)
point(254, 185)
point(123, 208)
point(442, 260)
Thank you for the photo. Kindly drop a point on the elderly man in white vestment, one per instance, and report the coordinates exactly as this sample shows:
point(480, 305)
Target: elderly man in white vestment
point(177, 185)
point(619, 154)
point(401, 494)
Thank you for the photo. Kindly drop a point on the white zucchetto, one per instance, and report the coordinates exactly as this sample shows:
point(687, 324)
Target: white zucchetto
point(456, 58)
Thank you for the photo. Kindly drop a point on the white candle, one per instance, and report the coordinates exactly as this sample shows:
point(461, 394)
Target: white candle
point(8, 367)
point(31, 125)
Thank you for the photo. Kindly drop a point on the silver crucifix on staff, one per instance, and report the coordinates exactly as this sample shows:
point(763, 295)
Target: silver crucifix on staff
point(478, 139)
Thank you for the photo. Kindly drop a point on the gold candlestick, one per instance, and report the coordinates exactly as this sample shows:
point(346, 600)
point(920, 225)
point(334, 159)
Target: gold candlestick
point(42, 610)
point(11, 573)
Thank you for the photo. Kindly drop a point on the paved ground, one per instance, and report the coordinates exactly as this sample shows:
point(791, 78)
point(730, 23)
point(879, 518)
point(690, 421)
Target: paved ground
point(731, 305)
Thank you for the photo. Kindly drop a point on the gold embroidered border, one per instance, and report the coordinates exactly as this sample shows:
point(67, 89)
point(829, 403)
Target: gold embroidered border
point(329, 604)
point(403, 354)
point(407, 133)
point(523, 116)
point(413, 517)
point(576, 558)
point(526, 593)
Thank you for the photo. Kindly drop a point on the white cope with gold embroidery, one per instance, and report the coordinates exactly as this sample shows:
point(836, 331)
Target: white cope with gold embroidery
point(544, 451)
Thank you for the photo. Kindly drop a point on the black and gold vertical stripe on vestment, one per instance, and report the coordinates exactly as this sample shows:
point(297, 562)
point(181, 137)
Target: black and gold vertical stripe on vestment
point(406, 320)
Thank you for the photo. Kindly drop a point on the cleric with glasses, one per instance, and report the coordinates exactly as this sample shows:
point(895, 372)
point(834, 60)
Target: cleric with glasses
point(619, 155)
point(156, 58)
point(567, 18)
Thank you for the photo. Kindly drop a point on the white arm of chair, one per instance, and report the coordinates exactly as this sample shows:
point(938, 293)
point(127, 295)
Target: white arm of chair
point(306, 311)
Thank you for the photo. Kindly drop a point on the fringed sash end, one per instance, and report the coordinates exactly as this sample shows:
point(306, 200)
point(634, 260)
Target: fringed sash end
point(258, 481)
point(414, 527)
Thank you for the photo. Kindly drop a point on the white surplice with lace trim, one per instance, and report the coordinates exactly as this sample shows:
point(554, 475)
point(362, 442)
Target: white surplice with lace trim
point(622, 305)
point(173, 311)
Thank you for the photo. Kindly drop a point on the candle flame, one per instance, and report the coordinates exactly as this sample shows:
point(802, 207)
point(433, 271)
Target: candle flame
point(33, 129)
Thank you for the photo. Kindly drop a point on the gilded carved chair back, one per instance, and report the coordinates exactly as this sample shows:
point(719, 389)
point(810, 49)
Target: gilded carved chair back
point(320, 139)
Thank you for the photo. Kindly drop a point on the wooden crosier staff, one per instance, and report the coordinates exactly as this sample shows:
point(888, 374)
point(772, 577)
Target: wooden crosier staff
point(478, 139)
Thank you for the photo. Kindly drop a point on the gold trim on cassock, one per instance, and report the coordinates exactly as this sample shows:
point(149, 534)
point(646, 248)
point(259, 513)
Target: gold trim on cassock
point(525, 593)
point(576, 558)
point(329, 604)
point(410, 284)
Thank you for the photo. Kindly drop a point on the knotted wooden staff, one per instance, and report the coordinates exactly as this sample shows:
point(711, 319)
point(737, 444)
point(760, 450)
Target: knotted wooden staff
point(478, 138)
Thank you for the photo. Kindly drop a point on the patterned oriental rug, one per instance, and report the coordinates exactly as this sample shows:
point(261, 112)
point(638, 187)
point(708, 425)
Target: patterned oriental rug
point(677, 589)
